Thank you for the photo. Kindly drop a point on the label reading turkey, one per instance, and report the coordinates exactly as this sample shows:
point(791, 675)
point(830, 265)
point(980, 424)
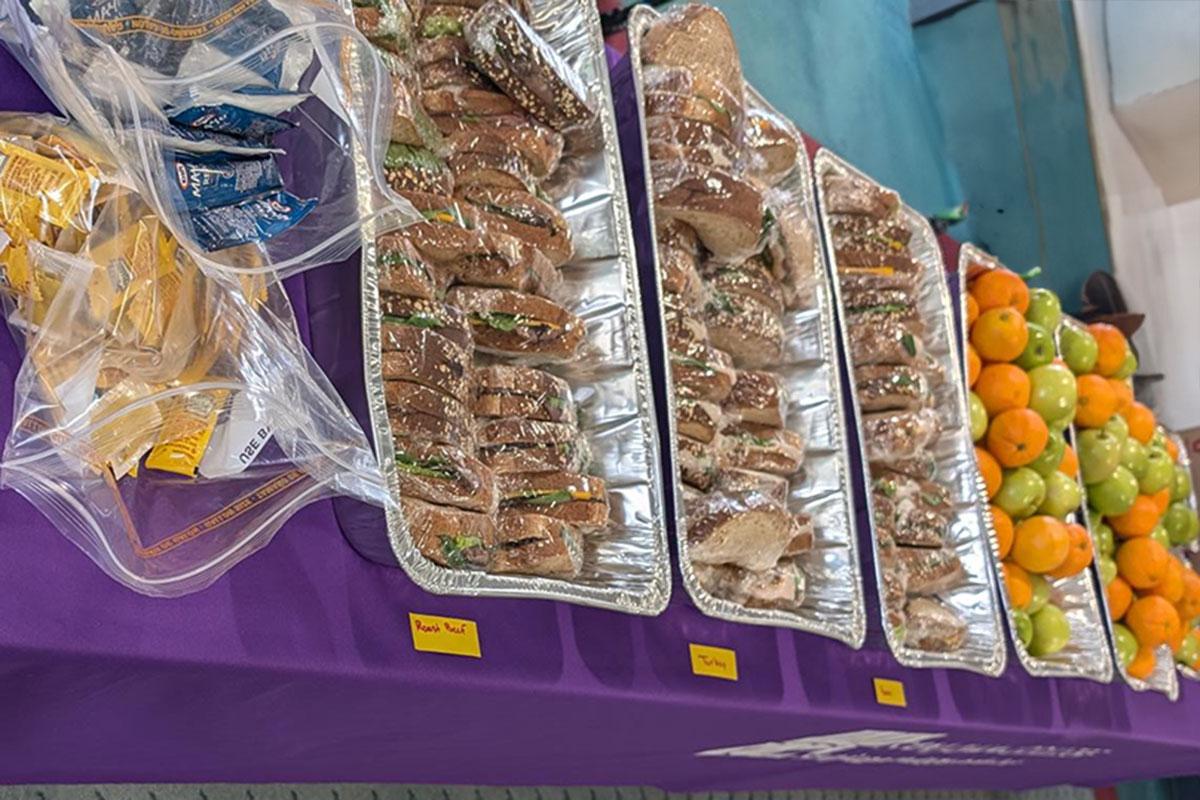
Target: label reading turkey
point(713, 662)
point(446, 635)
point(890, 693)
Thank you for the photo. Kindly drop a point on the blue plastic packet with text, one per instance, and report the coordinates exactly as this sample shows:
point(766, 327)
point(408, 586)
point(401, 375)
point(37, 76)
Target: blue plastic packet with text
point(253, 220)
point(209, 181)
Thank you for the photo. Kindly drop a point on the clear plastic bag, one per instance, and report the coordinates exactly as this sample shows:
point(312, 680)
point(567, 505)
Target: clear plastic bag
point(169, 421)
point(164, 83)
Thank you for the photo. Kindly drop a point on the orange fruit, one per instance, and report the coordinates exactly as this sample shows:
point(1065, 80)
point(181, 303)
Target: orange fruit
point(1017, 436)
point(1141, 422)
point(1120, 597)
point(1189, 606)
point(1153, 620)
point(1003, 386)
point(1177, 640)
point(998, 288)
point(1170, 588)
point(989, 468)
point(1142, 562)
point(1040, 544)
point(1123, 391)
point(972, 310)
point(1003, 525)
point(1162, 500)
point(1172, 449)
point(1142, 664)
point(1000, 334)
point(1070, 463)
point(1020, 587)
point(1113, 348)
point(1079, 554)
point(974, 365)
point(1096, 401)
point(1139, 520)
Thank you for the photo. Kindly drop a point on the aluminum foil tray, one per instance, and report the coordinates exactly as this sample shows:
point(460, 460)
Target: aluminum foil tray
point(833, 604)
point(626, 567)
point(976, 600)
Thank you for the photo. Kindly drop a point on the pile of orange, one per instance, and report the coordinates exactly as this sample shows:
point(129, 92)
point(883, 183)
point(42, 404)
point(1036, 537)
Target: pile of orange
point(1153, 593)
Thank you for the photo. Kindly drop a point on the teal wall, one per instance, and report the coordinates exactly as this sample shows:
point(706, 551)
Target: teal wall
point(984, 105)
point(847, 71)
point(1008, 87)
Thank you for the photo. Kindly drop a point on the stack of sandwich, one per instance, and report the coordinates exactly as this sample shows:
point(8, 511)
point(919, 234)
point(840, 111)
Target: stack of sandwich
point(490, 458)
point(894, 381)
point(732, 255)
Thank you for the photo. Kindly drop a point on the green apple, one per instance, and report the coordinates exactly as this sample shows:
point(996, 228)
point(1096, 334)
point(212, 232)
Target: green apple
point(1160, 535)
point(1038, 350)
point(1158, 438)
point(1051, 456)
point(1041, 593)
point(1044, 309)
point(1108, 569)
point(1126, 644)
point(1179, 522)
point(1158, 474)
point(1103, 536)
point(1099, 454)
point(1134, 456)
point(1181, 485)
point(1051, 631)
point(1052, 394)
point(1022, 626)
point(1118, 427)
point(979, 418)
point(1189, 651)
point(1128, 366)
point(1114, 495)
point(1021, 492)
point(1079, 348)
point(1063, 495)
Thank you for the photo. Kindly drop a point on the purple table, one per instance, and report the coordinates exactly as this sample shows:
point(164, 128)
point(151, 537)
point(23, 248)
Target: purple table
point(298, 666)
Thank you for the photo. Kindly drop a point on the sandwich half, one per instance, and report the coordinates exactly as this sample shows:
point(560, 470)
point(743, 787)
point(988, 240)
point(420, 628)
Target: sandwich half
point(581, 500)
point(502, 391)
point(444, 475)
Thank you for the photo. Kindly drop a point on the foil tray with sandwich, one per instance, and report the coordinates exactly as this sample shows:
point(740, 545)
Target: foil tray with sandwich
point(505, 365)
point(925, 498)
point(765, 525)
point(1087, 653)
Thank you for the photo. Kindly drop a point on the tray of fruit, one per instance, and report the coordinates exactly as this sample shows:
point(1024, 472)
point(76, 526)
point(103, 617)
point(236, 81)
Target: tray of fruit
point(932, 550)
point(1183, 529)
point(1023, 399)
point(1128, 466)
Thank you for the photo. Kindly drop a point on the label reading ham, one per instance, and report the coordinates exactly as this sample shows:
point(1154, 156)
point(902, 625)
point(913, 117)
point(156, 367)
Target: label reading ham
point(890, 693)
point(713, 662)
point(446, 635)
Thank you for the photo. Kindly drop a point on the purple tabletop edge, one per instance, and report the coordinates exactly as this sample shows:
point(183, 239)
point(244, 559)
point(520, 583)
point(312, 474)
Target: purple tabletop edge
point(298, 666)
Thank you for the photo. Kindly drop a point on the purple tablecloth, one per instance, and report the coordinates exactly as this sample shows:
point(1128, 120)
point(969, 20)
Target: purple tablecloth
point(298, 666)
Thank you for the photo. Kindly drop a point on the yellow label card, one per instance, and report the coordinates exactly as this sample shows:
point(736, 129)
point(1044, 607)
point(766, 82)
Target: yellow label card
point(453, 637)
point(713, 662)
point(890, 693)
